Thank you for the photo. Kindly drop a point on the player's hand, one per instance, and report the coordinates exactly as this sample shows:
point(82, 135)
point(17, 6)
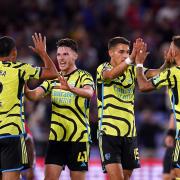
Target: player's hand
point(168, 57)
point(133, 53)
point(169, 141)
point(39, 43)
point(136, 45)
point(63, 84)
point(141, 53)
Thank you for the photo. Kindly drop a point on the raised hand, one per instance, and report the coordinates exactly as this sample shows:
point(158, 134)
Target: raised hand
point(133, 53)
point(39, 43)
point(136, 47)
point(63, 84)
point(141, 53)
point(169, 57)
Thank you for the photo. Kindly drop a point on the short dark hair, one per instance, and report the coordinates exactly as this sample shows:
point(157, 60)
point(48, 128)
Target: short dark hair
point(7, 44)
point(176, 41)
point(67, 42)
point(117, 40)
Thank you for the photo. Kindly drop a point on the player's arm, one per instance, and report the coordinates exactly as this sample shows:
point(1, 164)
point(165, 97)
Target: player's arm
point(154, 72)
point(170, 135)
point(119, 70)
point(86, 91)
point(171, 122)
point(109, 74)
point(143, 83)
point(49, 70)
point(113, 73)
point(35, 94)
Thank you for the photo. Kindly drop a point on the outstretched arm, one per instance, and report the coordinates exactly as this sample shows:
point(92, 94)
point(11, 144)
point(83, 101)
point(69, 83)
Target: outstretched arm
point(143, 83)
point(116, 71)
point(167, 64)
point(119, 69)
point(35, 94)
point(170, 135)
point(49, 71)
point(86, 91)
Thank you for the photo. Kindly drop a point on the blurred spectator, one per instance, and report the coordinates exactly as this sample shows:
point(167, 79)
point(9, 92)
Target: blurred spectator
point(148, 133)
point(91, 23)
point(169, 12)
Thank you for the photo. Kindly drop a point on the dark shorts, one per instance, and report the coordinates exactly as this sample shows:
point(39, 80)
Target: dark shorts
point(121, 150)
point(13, 155)
point(176, 154)
point(167, 161)
point(74, 155)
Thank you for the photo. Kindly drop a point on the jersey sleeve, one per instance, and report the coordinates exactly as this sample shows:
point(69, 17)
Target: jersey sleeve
point(30, 72)
point(145, 70)
point(101, 69)
point(47, 86)
point(87, 79)
point(163, 79)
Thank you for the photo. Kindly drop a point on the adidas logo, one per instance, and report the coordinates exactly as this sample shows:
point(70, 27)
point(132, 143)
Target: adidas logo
point(83, 164)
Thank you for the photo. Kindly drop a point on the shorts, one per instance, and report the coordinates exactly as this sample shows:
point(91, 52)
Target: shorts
point(73, 154)
point(167, 161)
point(122, 150)
point(13, 154)
point(176, 154)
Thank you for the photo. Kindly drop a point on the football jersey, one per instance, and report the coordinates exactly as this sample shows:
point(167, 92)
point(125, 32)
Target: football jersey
point(12, 78)
point(70, 112)
point(115, 99)
point(171, 79)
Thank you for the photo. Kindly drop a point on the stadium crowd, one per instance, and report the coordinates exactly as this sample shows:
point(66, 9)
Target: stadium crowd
point(91, 23)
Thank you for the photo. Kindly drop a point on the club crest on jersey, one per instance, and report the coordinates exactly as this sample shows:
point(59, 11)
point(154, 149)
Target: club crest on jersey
point(129, 81)
point(107, 156)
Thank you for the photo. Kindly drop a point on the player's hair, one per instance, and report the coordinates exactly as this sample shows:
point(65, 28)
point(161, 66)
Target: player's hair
point(7, 44)
point(117, 40)
point(67, 42)
point(176, 41)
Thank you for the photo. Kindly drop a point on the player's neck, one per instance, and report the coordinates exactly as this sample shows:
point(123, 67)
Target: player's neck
point(113, 62)
point(10, 58)
point(4, 59)
point(69, 71)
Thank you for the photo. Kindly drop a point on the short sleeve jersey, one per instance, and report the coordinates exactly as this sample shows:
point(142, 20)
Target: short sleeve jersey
point(171, 79)
point(70, 112)
point(115, 99)
point(12, 78)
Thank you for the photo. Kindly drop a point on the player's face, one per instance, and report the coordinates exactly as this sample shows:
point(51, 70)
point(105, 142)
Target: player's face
point(66, 58)
point(119, 53)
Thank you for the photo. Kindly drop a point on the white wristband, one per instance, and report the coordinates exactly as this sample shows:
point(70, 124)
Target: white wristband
point(128, 61)
point(139, 65)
